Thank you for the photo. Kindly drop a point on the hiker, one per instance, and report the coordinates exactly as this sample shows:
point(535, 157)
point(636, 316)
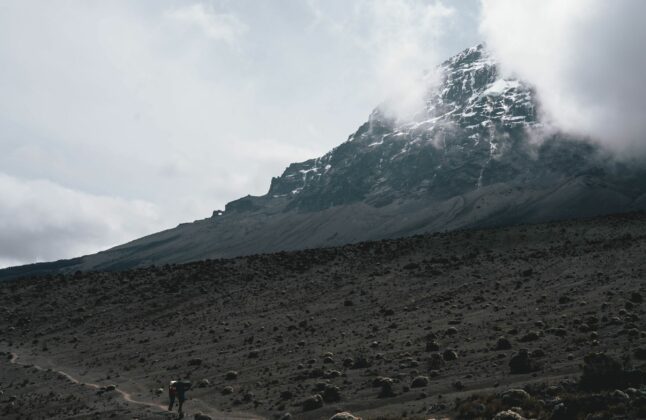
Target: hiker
point(177, 389)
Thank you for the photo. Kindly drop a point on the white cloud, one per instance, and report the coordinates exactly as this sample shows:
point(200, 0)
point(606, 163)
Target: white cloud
point(401, 38)
point(406, 34)
point(586, 59)
point(40, 221)
point(217, 26)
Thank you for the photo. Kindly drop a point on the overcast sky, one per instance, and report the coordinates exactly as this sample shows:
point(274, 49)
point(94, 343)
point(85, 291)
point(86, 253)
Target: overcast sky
point(122, 118)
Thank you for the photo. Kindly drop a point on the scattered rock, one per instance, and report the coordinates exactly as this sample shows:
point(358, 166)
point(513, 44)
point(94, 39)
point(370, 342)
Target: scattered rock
point(601, 371)
point(331, 393)
point(286, 395)
point(521, 363)
point(508, 415)
point(449, 355)
point(344, 416)
point(515, 397)
point(537, 353)
point(432, 346)
point(360, 362)
point(313, 402)
point(530, 336)
point(420, 382)
point(620, 395)
point(503, 344)
point(435, 361)
point(387, 386)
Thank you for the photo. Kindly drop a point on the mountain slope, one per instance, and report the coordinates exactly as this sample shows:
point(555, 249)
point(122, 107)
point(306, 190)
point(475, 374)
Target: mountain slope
point(456, 308)
point(467, 160)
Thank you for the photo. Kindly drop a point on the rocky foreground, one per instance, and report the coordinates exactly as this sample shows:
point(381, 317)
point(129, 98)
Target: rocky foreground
point(542, 321)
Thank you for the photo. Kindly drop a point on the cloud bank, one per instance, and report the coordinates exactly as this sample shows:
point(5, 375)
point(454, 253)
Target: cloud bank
point(586, 59)
point(400, 39)
point(404, 39)
point(41, 221)
point(217, 26)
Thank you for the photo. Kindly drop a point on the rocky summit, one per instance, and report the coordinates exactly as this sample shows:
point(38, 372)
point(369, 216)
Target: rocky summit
point(477, 155)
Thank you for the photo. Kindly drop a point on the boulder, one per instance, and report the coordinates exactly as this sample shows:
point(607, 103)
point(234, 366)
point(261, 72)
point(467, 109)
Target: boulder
point(387, 388)
point(231, 375)
point(313, 402)
point(449, 355)
point(435, 361)
point(420, 382)
point(521, 363)
point(508, 415)
point(601, 371)
point(515, 397)
point(503, 344)
point(344, 416)
point(530, 336)
point(451, 331)
point(432, 346)
point(331, 393)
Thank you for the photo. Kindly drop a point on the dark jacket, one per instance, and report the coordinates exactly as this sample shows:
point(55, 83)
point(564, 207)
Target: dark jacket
point(181, 387)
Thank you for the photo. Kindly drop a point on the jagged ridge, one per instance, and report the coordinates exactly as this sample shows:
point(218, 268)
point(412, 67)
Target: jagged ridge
point(470, 117)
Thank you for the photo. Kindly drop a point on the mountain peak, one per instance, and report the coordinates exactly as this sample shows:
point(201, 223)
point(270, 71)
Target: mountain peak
point(466, 160)
point(465, 113)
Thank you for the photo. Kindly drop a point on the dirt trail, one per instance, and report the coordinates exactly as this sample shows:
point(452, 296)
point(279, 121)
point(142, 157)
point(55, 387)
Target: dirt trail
point(128, 396)
point(124, 394)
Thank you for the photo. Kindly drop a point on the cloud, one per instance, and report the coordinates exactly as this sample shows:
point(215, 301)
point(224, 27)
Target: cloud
point(41, 221)
point(405, 35)
point(217, 26)
point(585, 58)
point(401, 39)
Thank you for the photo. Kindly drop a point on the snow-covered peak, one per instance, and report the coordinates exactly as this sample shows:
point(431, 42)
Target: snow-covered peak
point(474, 93)
point(469, 121)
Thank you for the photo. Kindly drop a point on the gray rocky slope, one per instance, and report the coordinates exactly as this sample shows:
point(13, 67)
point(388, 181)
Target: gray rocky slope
point(470, 159)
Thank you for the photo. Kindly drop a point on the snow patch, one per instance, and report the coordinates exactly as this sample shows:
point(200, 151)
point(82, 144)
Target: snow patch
point(500, 86)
